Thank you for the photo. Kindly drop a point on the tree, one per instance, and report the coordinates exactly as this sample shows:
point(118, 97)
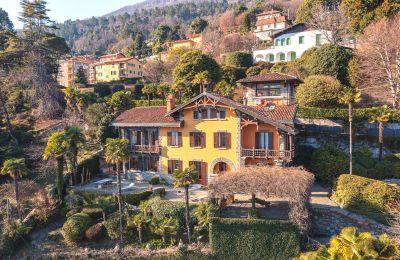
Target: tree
point(307, 7)
point(16, 168)
point(149, 89)
point(74, 98)
point(203, 79)
point(361, 13)
point(202, 213)
point(331, 21)
point(80, 76)
point(5, 22)
point(318, 91)
point(117, 152)
point(183, 178)
point(380, 116)
point(140, 220)
point(224, 88)
point(247, 22)
point(189, 65)
point(239, 59)
point(120, 101)
point(379, 57)
point(74, 140)
point(163, 227)
point(351, 244)
point(162, 91)
point(349, 96)
point(154, 71)
point(56, 147)
point(330, 60)
point(198, 25)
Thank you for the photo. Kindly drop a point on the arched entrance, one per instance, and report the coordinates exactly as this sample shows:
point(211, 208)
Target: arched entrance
point(221, 167)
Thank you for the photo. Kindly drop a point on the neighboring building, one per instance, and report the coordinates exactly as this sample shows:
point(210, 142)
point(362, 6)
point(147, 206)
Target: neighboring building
point(270, 22)
point(115, 67)
point(213, 133)
point(194, 41)
point(289, 44)
point(69, 67)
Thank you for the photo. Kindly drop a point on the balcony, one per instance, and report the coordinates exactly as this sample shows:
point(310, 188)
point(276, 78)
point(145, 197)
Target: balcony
point(285, 155)
point(149, 149)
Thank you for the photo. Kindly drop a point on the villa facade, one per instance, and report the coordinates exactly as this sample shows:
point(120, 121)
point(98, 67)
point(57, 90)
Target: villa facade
point(213, 133)
point(289, 44)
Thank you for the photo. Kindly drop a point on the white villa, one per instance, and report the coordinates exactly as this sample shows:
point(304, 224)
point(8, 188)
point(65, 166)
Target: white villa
point(289, 44)
point(268, 23)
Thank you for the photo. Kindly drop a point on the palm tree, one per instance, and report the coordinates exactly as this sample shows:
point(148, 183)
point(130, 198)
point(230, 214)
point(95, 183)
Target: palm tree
point(203, 79)
point(179, 88)
point(149, 89)
point(16, 168)
point(184, 179)
point(202, 213)
point(163, 227)
point(74, 139)
point(57, 147)
point(140, 220)
point(349, 96)
point(74, 98)
point(381, 116)
point(162, 91)
point(117, 152)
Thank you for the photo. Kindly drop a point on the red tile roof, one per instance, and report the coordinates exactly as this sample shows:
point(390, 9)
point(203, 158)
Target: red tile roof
point(273, 76)
point(272, 20)
point(145, 116)
point(280, 113)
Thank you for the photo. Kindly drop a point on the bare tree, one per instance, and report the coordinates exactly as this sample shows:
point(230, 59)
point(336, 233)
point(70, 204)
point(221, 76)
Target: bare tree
point(379, 52)
point(211, 41)
point(154, 70)
point(331, 21)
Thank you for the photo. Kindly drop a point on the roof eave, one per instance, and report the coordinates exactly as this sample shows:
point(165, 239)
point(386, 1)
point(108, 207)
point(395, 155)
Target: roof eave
point(177, 124)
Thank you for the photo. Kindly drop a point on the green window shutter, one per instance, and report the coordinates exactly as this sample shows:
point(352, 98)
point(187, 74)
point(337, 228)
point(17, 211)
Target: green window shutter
point(271, 58)
point(318, 39)
point(277, 42)
point(282, 42)
point(301, 39)
point(292, 56)
point(288, 41)
point(282, 56)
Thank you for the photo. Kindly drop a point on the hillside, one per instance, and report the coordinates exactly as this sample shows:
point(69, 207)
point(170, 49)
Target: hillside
point(99, 35)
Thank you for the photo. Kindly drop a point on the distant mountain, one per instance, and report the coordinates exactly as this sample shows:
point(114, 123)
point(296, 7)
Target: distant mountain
point(149, 4)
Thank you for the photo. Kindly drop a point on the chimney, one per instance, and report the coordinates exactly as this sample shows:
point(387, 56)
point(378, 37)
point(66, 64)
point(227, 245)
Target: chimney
point(170, 102)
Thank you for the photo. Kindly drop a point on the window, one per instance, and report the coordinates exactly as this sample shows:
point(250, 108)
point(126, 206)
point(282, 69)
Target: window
point(277, 42)
point(222, 140)
point(174, 138)
point(264, 140)
point(283, 42)
point(113, 72)
point(197, 139)
point(318, 39)
point(301, 39)
point(288, 41)
point(271, 58)
point(282, 56)
point(292, 55)
point(200, 168)
point(174, 165)
point(264, 90)
point(209, 113)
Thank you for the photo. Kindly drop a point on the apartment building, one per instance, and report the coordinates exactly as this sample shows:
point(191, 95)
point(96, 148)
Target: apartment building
point(69, 67)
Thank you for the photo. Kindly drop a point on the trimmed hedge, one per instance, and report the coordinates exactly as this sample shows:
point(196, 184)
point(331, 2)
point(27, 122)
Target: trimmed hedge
point(342, 113)
point(74, 228)
point(145, 103)
point(94, 213)
point(365, 196)
point(253, 239)
point(136, 198)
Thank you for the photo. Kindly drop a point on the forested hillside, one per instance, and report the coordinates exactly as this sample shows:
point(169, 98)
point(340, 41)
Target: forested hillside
point(105, 34)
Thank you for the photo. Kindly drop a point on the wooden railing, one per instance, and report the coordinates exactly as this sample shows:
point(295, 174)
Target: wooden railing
point(146, 149)
point(266, 153)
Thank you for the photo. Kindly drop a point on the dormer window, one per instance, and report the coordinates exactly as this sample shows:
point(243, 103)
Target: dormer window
point(209, 113)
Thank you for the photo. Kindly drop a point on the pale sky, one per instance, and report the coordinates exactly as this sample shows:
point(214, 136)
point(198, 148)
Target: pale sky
point(61, 10)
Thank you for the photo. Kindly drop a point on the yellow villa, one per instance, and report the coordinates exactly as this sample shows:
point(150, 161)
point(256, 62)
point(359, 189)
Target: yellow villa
point(213, 133)
point(194, 41)
point(115, 67)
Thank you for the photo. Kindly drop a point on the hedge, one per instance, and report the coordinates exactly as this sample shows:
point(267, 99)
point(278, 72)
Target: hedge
point(342, 113)
point(74, 228)
point(239, 59)
point(145, 103)
point(365, 196)
point(253, 239)
point(136, 198)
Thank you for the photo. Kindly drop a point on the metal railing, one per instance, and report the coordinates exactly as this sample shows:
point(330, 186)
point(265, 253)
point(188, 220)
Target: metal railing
point(267, 153)
point(146, 149)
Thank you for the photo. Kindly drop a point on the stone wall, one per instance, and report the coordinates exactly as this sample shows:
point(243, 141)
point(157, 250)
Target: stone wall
point(328, 221)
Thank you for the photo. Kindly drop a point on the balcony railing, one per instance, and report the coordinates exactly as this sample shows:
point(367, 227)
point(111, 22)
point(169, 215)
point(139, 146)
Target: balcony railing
point(146, 149)
point(266, 153)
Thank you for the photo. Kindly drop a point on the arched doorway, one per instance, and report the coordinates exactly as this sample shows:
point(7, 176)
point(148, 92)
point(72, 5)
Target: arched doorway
point(221, 167)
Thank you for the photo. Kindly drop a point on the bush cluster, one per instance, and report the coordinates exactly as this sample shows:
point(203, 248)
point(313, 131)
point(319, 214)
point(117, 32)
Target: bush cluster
point(365, 196)
point(366, 166)
point(95, 232)
point(74, 228)
point(136, 198)
point(253, 239)
point(239, 59)
point(94, 213)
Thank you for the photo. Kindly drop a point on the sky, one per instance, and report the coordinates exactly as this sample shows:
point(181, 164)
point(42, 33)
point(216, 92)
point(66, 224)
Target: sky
point(61, 10)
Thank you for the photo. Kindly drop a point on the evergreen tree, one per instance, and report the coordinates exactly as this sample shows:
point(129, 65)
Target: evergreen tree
point(80, 76)
point(198, 25)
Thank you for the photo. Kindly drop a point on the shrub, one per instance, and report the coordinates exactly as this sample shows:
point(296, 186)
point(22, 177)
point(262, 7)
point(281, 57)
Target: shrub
point(155, 180)
point(239, 59)
point(12, 235)
point(258, 67)
point(116, 88)
point(102, 90)
point(112, 225)
point(74, 228)
point(328, 162)
point(155, 244)
point(94, 213)
point(175, 209)
point(95, 232)
point(253, 239)
point(107, 203)
point(330, 60)
point(318, 91)
point(253, 213)
point(365, 196)
point(232, 74)
point(71, 212)
point(136, 198)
